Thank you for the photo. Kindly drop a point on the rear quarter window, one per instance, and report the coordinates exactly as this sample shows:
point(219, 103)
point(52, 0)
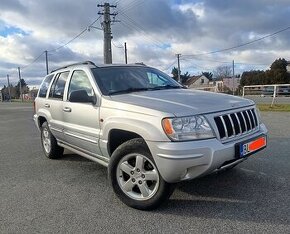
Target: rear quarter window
point(44, 86)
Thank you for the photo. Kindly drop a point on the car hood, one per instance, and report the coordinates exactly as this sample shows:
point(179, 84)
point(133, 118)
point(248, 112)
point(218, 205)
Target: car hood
point(182, 102)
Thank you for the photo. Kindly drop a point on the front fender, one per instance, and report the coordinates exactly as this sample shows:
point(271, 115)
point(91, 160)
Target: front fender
point(149, 129)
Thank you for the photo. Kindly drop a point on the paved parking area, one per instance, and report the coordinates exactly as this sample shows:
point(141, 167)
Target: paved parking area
point(72, 194)
point(268, 99)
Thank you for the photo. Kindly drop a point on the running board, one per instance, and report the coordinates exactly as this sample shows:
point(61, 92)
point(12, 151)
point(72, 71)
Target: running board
point(92, 158)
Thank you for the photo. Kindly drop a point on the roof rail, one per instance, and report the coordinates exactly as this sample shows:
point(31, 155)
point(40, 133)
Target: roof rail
point(141, 63)
point(74, 64)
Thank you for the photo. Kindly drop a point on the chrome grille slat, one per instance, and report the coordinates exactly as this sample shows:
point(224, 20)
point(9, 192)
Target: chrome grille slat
point(242, 113)
point(227, 124)
point(230, 117)
point(239, 123)
point(251, 127)
point(225, 127)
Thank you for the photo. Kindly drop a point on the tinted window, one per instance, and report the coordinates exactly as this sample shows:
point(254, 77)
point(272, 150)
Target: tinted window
point(44, 86)
point(57, 88)
point(115, 79)
point(80, 81)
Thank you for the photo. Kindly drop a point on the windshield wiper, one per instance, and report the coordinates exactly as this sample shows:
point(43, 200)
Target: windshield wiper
point(167, 87)
point(129, 90)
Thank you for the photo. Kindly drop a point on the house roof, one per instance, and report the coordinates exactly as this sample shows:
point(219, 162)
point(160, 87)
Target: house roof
point(192, 80)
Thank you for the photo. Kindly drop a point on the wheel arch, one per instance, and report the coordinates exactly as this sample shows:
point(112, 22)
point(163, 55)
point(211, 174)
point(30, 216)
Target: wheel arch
point(116, 137)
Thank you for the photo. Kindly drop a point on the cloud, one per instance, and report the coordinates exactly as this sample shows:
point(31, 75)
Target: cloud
point(155, 30)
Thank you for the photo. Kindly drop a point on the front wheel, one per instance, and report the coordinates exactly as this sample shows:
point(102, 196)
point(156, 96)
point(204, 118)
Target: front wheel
point(135, 177)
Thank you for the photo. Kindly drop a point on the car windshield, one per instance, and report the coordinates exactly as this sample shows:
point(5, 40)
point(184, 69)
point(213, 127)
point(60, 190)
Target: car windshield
point(120, 80)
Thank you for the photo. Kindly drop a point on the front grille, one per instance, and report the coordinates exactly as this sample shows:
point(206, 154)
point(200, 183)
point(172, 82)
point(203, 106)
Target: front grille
point(236, 124)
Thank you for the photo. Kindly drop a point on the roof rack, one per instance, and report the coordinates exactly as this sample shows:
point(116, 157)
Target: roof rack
point(74, 64)
point(141, 63)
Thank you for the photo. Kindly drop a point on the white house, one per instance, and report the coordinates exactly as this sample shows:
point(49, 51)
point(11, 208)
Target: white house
point(197, 82)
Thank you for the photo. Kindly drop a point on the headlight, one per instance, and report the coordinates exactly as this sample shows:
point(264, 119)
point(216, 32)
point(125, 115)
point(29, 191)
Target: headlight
point(187, 128)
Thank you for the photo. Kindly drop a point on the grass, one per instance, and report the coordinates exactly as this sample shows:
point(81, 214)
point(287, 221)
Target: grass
point(275, 107)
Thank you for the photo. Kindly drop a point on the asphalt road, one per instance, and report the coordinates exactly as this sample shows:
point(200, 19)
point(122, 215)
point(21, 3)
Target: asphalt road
point(72, 194)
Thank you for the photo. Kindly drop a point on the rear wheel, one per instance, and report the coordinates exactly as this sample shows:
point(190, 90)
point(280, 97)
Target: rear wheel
point(135, 177)
point(49, 144)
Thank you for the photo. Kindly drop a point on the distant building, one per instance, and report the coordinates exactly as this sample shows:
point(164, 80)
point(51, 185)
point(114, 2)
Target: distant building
point(231, 83)
point(197, 82)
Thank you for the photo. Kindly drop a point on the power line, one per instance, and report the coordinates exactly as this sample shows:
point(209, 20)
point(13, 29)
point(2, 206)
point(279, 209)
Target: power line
point(241, 45)
point(74, 38)
point(167, 68)
point(119, 47)
point(24, 67)
point(224, 62)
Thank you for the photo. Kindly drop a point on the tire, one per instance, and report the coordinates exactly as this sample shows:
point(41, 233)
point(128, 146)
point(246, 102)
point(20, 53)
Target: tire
point(135, 178)
point(49, 144)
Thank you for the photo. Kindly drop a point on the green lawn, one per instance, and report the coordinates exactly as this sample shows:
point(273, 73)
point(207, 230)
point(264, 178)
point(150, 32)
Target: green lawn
point(275, 107)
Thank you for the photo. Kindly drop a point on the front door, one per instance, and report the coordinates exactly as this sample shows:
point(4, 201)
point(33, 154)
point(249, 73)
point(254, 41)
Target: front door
point(81, 120)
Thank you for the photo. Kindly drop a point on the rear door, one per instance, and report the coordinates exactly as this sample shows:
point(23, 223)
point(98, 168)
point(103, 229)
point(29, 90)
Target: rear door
point(82, 127)
point(55, 104)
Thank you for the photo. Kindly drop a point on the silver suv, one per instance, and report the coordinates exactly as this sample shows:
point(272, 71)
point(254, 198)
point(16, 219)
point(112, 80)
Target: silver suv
point(149, 131)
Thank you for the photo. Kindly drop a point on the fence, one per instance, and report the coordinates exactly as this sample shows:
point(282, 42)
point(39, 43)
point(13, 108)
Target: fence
point(274, 90)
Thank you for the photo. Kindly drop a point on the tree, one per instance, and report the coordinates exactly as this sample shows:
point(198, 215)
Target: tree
point(253, 77)
point(183, 77)
point(276, 75)
point(208, 75)
point(24, 88)
point(223, 71)
point(174, 73)
point(278, 72)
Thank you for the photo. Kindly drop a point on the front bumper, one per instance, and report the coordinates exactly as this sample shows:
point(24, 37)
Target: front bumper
point(177, 161)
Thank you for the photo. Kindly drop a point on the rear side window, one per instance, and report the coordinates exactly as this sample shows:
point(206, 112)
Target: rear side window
point(57, 88)
point(44, 86)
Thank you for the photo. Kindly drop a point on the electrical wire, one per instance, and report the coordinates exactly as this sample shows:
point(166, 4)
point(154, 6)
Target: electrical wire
point(241, 45)
point(167, 68)
point(74, 38)
point(119, 47)
point(24, 67)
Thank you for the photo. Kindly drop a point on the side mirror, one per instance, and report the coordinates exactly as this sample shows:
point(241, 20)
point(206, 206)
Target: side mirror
point(81, 96)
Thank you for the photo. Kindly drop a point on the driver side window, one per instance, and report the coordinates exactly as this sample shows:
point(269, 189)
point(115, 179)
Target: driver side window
point(155, 79)
point(80, 81)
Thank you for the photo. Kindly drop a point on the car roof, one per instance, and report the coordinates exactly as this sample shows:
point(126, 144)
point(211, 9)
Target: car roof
point(93, 65)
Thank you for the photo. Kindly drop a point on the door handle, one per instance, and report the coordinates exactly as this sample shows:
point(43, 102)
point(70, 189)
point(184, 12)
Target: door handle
point(46, 105)
point(67, 109)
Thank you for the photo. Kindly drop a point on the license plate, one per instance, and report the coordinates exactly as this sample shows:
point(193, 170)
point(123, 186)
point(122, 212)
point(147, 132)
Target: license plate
point(252, 146)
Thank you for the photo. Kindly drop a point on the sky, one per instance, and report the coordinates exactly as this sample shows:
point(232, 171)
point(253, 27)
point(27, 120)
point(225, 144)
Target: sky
point(154, 30)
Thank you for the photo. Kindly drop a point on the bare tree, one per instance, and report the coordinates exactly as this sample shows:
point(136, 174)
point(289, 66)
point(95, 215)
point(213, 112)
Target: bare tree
point(223, 71)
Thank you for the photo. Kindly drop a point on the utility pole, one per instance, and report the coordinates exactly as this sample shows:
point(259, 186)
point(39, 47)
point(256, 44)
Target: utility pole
point(9, 88)
point(20, 86)
point(46, 62)
point(126, 56)
point(233, 77)
point(178, 67)
point(107, 30)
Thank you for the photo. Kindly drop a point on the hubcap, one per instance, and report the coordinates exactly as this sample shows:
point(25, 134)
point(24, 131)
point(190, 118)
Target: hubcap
point(137, 177)
point(46, 140)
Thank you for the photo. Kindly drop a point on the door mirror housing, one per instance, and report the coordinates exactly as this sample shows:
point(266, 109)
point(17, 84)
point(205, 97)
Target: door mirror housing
point(81, 96)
